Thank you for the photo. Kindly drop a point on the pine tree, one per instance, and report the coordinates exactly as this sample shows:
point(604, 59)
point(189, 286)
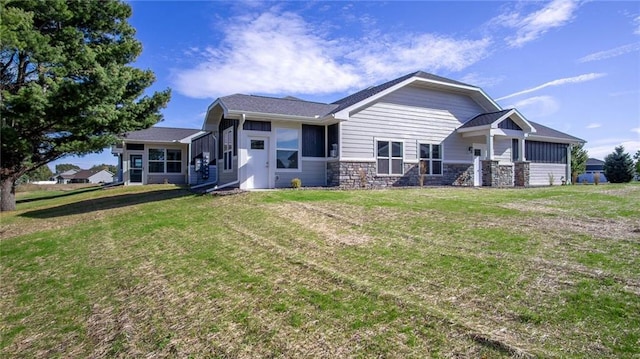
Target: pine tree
point(65, 83)
point(618, 166)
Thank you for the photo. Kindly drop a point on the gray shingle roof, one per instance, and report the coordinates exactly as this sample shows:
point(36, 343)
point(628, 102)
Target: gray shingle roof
point(160, 134)
point(288, 106)
point(594, 162)
point(542, 130)
point(366, 93)
point(485, 118)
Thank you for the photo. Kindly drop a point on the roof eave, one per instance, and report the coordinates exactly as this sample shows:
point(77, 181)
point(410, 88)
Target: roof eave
point(534, 137)
point(275, 116)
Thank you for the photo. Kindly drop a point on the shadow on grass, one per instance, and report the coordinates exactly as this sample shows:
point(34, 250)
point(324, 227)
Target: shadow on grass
point(69, 193)
point(104, 203)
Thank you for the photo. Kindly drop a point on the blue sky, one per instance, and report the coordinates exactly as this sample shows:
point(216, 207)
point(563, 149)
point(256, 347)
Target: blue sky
point(574, 66)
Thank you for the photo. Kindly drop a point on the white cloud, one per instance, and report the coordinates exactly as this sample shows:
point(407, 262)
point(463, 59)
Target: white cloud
point(593, 125)
point(270, 54)
point(538, 106)
point(529, 27)
point(479, 80)
point(600, 149)
point(618, 51)
point(558, 82)
point(636, 130)
point(281, 53)
point(636, 22)
point(388, 57)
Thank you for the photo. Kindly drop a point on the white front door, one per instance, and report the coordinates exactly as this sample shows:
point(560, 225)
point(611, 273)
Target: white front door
point(478, 154)
point(258, 162)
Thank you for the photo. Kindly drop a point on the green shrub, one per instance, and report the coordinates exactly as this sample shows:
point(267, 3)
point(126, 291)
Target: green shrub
point(296, 183)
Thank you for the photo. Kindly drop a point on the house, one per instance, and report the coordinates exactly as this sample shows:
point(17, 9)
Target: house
point(416, 129)
point(594, 167)
point(416, 126)
point(64, 177)
point(84, 176)
point(163, 155)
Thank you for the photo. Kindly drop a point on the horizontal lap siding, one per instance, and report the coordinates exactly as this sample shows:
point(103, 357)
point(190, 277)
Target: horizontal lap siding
point(313, 174)
point(502, 150)
point(539, 173)
point(410, 114)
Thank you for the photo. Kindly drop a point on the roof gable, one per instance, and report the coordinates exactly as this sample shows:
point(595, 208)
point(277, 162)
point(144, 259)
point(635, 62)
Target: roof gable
point(373, 90)
point(485, 119)
point(420, 78)
point(509, 119)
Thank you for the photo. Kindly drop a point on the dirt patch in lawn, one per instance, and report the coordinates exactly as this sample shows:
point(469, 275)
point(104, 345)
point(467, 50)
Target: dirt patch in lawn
point(546, 207)
point(329, 225)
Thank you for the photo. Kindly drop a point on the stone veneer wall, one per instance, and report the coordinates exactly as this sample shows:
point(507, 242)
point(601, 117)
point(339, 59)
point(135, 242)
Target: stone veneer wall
point(496, 175)
point(458, 174)
point(363, 175)
point(522, 174)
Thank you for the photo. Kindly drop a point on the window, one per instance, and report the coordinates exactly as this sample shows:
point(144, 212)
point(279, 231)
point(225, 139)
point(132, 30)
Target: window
point(545, 152)
point(515, 150)
point(430, 159)
point(390, 158)
point(135, 146)
point(332, 140)
point(257, 144)
point(227, 149)
point(165, 160)
point(257, 126)
point(313, 141)
point(287, 140)
point(174, 161)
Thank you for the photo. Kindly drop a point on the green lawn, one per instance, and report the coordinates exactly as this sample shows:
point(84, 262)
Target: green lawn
point(433, 272)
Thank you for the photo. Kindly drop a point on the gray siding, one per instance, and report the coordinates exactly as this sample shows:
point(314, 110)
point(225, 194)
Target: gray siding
point(539, 173)
point(313, 174)
point(411, 114)
point(226, 177)
point(197, 179)
point(502, 150)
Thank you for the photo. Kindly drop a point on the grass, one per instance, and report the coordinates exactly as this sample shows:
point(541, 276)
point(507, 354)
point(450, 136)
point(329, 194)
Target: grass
point(433, 272)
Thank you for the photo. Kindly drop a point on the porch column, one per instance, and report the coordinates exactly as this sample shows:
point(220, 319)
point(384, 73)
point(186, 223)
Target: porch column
point(490, 146)
point(522, 148)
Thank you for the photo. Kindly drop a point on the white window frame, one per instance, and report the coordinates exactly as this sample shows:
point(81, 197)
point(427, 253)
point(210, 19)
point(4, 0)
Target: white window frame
point(390, 157)
point(227, 149)
point(165, 160)
point(298, 150)
point(430, 159)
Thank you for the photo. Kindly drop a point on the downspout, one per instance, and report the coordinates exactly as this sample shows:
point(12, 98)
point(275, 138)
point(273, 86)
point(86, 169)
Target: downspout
point(189, 163)
point(568, 172)
point(241, 153)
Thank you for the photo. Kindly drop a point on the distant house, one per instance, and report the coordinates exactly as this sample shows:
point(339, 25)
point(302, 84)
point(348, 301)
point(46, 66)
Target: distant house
point(595, 167)
point(419, 128)
point(84, 176)
point(64, 177)
point(164, 154)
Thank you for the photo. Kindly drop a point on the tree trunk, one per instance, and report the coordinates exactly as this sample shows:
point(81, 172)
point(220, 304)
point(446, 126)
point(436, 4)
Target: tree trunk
point(8, 196)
